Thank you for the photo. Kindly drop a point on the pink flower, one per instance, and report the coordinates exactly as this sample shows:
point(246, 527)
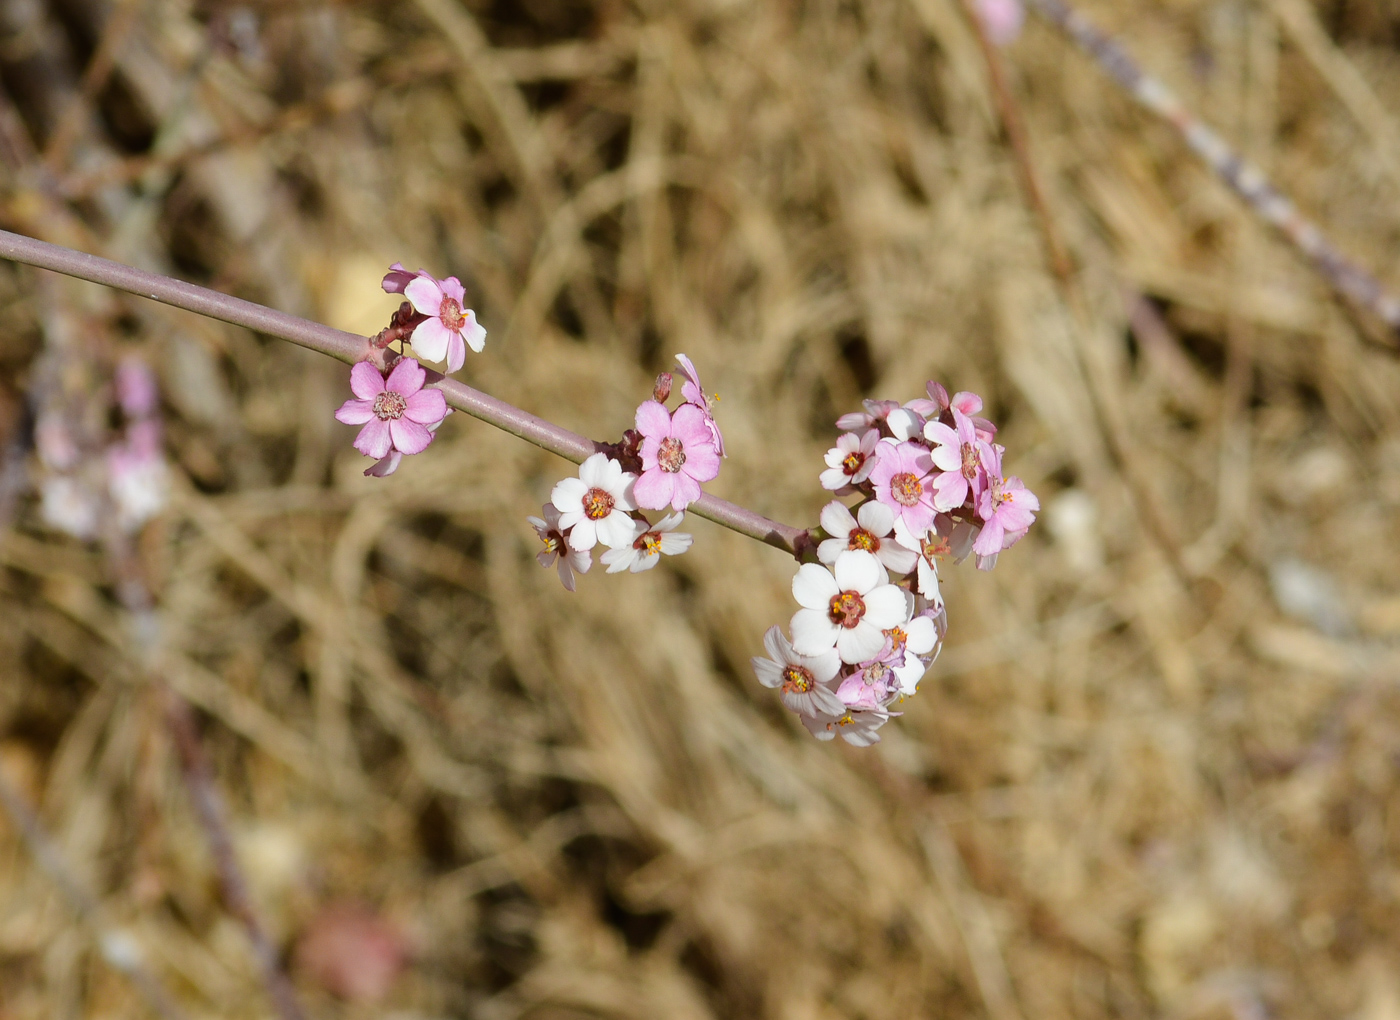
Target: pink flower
point(851, 460)
point(677, 455)
point(595, 505)
point(871, 533)
point(450, 328)
point(136, 388)
point(874, 683)
point(874, 415)
point(957, 456)
point(694, 394)
point(1007, 508)
point(902, 482)
point(1002, 19)
point(397, 415)
point(557, 547)
point(857, 728)
point(911, 642)
point(388, 464)
point(398, 278)
point(801, 679)
point(650, 543)
point(137, 477)
point(845, 608)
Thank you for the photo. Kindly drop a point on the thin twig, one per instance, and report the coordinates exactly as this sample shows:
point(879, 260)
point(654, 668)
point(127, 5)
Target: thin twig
point(118, 948)
point(349, 348)
point(1349, 279)
point(209, 806)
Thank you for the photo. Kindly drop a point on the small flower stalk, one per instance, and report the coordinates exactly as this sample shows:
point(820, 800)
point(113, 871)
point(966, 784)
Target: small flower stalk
point(929, 485)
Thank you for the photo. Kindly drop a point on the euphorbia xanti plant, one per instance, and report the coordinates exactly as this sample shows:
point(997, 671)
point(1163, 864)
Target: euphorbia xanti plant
point(915, 483)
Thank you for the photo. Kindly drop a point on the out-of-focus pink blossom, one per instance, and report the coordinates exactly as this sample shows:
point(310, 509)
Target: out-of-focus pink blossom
point(53, 437)
point(450, 327)
point(801, 679)
point(652, 541)
point(870, 532)
point(397, 413)
point(137, 392)
point(557, 547)
point(1002, 19)
point(352, 952)
point(137, 477)
point(903, 482)
point(596, 504)
point(678, 454)
point(694, 393)
point(851, 460)
point(69, 505)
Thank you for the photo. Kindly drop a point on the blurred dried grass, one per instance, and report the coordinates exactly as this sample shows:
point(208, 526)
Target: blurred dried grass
point(1152, 774)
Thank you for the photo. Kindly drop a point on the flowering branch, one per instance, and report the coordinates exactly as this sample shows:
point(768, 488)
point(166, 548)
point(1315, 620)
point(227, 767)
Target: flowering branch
point(349, 348)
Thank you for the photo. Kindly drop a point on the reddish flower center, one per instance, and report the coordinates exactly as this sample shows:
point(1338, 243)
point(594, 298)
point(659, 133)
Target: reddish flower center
point(859, 538)
point(874, 674)
point(906, 488)
point(451, 315)
point(798, 680)
point(935, 546)
point(670, 455)
point(969, 462)
point(898, 639)
point(650, 543)
point(597, 504)
point(389, 405)
point(853, 462)
point(846, 609)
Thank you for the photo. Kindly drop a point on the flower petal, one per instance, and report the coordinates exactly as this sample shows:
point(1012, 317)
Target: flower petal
point(812, 632)
point(567, 495)
point(429, 340)
point(409, 436)
point(876, 518)
point(777, 645)
point(366, 382)
point(885, 607)
point(655, 489)
point(407, 378)
point(373, 440)
point(653, 420)
point(857, 570)
point(427, 407)
point(456, 351)
point(616, 530)
point(472, 333)
point(858, 643)
point(355, 412)
point(836, 519)
point(425, 296)
point(813, 587)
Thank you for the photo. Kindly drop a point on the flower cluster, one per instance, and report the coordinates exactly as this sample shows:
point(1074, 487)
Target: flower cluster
point(929, 475)
point(659, 465)
point(400, 416)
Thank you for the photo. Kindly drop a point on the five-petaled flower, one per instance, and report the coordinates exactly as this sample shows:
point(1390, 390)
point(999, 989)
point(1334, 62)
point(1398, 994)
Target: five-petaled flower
point(851, 460)
point(397, 413)
point(557, 547)
point(870, 532)
point(677, 455)
point(846, 608)
point(902, 482)
point(450, 327)
point(596, 504)
point(801, 679)
point(651, 542)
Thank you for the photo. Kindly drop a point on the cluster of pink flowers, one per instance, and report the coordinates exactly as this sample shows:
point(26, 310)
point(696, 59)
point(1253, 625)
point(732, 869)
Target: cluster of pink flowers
point(95, 486)
point(929, 476)
point(398, 415)
point(659, 465)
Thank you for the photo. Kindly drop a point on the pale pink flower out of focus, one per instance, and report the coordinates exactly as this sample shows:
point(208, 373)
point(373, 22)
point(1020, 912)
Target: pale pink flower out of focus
point(652, 541)
point(847, 607)
point(957, 455)
point(397, 414)
point(693, 393)
point(450, 327)
point(875, 682)
point(596, 504)
point(137, 392)
point(352, 952)
point(69, 505)
point(1002, 19)
point(801, 679)
point(678, 454)
point(137, 477)
point(557, 547)
point(859, 729)
point(870, 531)
point(903, 482)
point(851, 460)
point(1007, 508)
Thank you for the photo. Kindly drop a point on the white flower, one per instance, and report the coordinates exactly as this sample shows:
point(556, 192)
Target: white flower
point(856, 728)
point(650, 541)
point(872, 533)
point(851, 460)
point(919, 636)
point(68, 505)
point(595, 504)
point(558, 547)
point(847, 610)
point(801, 679)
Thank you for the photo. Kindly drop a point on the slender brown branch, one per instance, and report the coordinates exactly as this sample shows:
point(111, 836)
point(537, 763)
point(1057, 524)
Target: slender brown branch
point(349, 348)
point(209, 806)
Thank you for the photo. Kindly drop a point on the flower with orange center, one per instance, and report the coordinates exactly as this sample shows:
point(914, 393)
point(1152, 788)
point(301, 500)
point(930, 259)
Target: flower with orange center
point(845, 607)
point(801, 680)
point(869, 532)
point(596, 504)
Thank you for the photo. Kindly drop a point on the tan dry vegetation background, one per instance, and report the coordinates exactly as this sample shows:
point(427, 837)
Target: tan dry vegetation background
point(1153, 773)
